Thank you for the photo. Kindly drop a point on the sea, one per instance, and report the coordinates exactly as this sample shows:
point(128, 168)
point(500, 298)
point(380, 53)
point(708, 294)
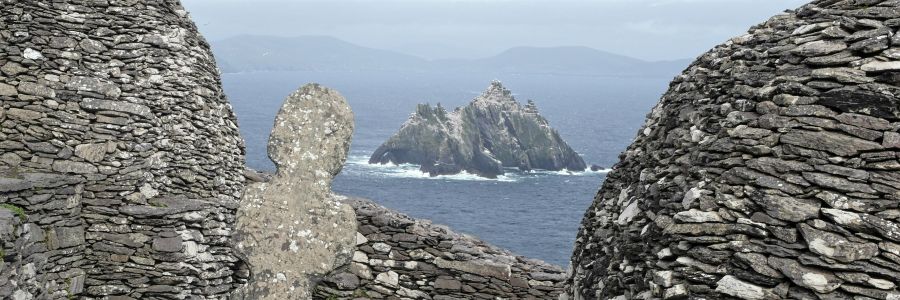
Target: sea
point(535, 214)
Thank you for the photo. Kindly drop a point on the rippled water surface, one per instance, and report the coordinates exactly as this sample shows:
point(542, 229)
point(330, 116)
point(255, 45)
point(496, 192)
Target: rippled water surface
point(531, 213)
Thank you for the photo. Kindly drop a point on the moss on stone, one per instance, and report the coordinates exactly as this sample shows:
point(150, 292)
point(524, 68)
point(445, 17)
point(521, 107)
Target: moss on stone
point(16, 210)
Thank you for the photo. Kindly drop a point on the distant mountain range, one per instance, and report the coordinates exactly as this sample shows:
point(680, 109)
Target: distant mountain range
point(248, 53)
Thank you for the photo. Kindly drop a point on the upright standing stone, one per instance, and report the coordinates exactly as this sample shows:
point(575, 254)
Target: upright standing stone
point(292, 229)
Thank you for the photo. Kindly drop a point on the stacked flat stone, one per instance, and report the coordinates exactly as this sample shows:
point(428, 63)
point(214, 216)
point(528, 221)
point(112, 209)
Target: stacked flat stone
point(768, 171)
point(398, 257)
point(121, 151)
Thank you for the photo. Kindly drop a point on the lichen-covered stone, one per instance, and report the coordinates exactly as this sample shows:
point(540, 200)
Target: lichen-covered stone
point(291, 228)
point(836, 246)
point(767, 171)
point(818, 280)
point(732, 286)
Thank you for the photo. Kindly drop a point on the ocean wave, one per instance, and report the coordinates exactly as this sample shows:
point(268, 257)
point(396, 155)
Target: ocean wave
point(412, 171)
point(587, 172)
point(360, 164)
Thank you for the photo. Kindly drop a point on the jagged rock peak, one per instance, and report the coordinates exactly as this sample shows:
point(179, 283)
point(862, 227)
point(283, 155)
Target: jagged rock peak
point(769, 170)
point(493, 132)
point(496, 93)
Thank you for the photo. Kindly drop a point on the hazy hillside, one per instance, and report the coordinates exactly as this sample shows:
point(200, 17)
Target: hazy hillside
point(308, 53)
point(565, 60)
point(317, 53)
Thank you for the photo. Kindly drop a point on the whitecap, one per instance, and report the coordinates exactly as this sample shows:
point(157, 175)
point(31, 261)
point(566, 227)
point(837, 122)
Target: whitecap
point(361, 163)
point(565, 172)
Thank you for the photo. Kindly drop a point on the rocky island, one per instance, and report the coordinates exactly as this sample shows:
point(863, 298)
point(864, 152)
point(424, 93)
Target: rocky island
point(491, 133)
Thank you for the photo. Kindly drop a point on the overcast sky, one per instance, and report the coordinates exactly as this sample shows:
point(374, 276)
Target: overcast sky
point(646, 29)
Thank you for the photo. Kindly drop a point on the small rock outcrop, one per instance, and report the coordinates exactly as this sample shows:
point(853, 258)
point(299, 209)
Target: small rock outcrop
point(119, 154)
point(291, 228)
point(398, 257)
point(491, 133)
point(769, 170)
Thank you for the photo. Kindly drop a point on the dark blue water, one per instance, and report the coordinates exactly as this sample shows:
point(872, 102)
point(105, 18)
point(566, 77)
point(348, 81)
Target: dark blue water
point(533, 214)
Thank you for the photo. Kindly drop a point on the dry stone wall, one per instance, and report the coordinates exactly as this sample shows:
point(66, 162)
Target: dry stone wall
point(119, 150)
point(770, 170)
point(398, 257)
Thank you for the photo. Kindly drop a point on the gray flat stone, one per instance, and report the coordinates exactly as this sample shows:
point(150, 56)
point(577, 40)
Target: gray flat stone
point(483, 268)
point(345, 281)
point(172, 244)
point(47, 180)
point(837, 143)
point(96, 85)
point(66, 166)
point(849, 173)
point(32, 54)
point(758, 263)
point(135, 240)
point(66, 237)
point(714, 229)
point(24, 115)
point(8, 222)
point(12, 69)
point(676, 292)
point(664, 278)
point(698, 216)
point(847, 75)
point(838, 183)
point(891, 140)
point(91, 152)
point(21, 295)
point(733, 286)
point(447, 284)
point(871, 293)
point(818, 280)
point(836, 246)
point(776, 166)
point(864, 121)
point(91, 46)
point(119, 106)
point(844, 218)
point(13, 185)
point(881, 66)
point(31, 88)
point(389, 278)
point(792, 209)
point(163, 289)
point(887, 229)
point(820, 48)
point(8, 90)
point(628, 213)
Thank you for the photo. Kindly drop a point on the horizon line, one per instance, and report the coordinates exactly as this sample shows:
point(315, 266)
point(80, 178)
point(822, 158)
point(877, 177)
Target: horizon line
point(441, 59)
